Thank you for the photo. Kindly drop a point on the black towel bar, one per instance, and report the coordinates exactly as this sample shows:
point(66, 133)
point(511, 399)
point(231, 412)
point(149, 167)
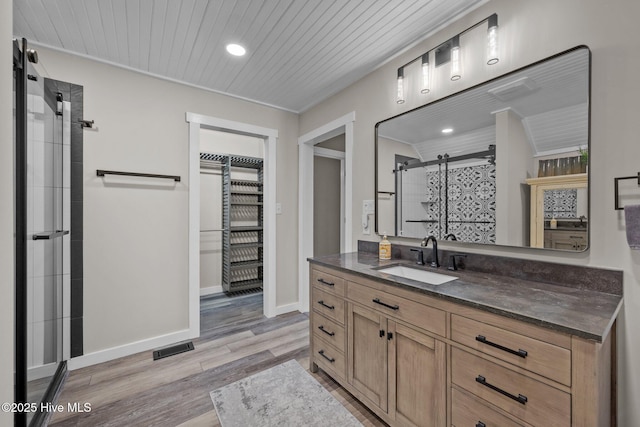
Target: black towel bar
point(50, 235)
point(101, 172)
point(616, 193)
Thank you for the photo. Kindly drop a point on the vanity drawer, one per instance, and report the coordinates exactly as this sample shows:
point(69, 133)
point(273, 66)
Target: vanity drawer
point(422, 316)
point(328, 330)
point(540, 357)
point(539, 404)
point(329, 358)
point(468, 411)
point(329, 305)
point(327, 282)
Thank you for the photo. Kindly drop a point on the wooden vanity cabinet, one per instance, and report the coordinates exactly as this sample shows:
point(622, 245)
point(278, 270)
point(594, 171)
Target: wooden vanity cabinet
point(368, 356)
point(570, 240)
point(417, 377)
point(418, 361)
point(327, 324)
point(399, 370)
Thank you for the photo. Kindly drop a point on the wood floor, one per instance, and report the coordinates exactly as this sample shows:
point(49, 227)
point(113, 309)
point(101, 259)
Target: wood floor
point(236, 341)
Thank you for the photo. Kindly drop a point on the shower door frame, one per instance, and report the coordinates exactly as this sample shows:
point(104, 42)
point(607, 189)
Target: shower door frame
point(20, 153)
point(22, 76)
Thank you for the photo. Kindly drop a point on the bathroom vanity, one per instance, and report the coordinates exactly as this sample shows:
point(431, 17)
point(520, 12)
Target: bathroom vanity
point(504, 344)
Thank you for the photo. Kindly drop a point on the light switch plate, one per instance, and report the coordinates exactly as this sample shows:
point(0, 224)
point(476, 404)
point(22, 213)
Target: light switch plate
point(368, 207)
point(278, 208)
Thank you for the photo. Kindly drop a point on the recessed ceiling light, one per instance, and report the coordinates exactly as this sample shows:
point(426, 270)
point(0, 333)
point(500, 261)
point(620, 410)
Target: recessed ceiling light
point(447, 130)
point(236, 49)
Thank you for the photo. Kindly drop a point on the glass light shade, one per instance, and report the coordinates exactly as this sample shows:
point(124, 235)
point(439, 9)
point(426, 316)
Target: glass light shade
point(425, 78)
point(492, 45)
point(455, 63)
point(400, 95)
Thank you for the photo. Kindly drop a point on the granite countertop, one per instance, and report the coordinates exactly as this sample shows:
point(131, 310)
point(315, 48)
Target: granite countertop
point(585, 313)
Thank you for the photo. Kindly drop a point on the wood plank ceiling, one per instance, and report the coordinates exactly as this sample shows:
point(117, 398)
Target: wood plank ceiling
point(299, 52)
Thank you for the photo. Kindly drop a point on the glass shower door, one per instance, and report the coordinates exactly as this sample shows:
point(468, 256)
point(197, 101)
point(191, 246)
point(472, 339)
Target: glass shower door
point(47, 235)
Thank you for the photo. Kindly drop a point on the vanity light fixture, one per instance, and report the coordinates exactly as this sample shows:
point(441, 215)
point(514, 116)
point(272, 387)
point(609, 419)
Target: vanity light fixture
point(236, 49)
point(425, 73)
point(400, 95)
point(447, 130)
point(449, 51)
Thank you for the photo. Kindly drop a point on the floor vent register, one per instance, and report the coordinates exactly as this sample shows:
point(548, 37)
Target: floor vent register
point(173, 350)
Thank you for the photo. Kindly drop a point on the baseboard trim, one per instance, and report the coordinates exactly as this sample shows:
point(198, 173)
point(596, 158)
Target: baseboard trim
point(210, 290)
point(43, 371)
point(127, 349)
point(288, 308)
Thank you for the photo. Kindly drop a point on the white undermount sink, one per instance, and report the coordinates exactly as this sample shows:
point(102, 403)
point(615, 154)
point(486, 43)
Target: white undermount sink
point(424, 276)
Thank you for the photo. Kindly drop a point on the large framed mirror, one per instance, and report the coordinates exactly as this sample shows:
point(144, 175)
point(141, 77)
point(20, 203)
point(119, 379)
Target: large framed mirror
point(501, 163)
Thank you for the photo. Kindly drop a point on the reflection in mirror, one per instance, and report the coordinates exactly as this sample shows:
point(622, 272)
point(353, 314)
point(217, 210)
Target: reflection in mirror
point(501, 163)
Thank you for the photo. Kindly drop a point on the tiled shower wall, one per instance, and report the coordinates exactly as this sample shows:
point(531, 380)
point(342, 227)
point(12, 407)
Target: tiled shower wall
point(74, 94)
point(471, 203)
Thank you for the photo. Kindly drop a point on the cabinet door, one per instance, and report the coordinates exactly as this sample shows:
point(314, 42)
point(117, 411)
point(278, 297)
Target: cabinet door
point(367, 372)
point(417, 378)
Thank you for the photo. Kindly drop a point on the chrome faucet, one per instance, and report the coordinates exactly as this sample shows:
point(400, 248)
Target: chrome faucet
point(434, 252)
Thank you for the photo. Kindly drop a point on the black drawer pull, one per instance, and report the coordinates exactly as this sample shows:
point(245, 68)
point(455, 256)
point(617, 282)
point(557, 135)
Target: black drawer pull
point(392, 307)
point(330, 307)
point(519, 352)
point(324, 282)
point(480, 424)
point(321, 327)
point(519, 398)
point(330, 359)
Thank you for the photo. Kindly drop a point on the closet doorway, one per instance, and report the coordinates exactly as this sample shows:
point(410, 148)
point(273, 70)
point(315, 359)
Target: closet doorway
point(216, 149)
point(197, 125)
point(342, 126)
point(328, 196)
point(231, 225)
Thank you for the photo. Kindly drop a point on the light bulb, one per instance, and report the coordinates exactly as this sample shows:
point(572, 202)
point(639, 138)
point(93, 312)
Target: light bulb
point(400, 94)
point(492, 40)
point(425, 73)
point(455, 59)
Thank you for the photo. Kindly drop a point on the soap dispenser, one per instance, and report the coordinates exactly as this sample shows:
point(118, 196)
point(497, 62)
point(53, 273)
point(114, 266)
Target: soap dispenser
point(384, 248)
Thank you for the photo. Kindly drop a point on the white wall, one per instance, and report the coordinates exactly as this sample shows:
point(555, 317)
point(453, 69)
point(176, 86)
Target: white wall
point(336, 143)
point(135, 235)
point(531, 31)
point(6, 212)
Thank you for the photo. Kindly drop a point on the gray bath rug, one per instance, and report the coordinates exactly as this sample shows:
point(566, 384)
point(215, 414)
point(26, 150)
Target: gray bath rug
point(285, 395)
